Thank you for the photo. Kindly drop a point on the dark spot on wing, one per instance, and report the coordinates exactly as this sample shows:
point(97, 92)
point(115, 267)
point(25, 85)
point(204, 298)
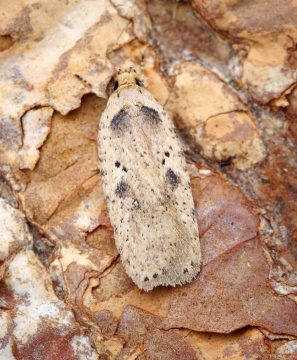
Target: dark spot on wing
point(122, 189)
point(155, 275)
point(118, 122)
point(172, 178)
point(150, 115)
point(146, 279)
point(167, 153)
point(117, 164)
point(186, 270)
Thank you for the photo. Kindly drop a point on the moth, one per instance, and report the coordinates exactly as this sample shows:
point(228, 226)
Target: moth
point(147, 188)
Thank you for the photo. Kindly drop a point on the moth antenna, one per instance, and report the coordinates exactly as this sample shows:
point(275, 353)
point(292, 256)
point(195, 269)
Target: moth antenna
point(142, 69)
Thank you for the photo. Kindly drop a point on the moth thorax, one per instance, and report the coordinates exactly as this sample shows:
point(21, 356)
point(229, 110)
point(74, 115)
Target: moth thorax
point(126, 77)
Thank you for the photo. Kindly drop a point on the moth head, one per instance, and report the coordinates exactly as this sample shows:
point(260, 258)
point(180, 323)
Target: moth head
point(127, 77)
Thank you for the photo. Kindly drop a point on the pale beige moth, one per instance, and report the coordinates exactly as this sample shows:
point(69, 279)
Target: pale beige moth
point(147, 188)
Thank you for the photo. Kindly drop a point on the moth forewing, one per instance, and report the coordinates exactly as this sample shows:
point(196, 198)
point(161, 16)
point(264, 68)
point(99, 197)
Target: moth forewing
point(147, 188)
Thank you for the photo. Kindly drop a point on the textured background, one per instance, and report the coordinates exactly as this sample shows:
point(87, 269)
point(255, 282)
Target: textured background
point(226, 73)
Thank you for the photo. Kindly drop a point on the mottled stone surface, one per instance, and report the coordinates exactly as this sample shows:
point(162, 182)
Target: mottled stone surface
point(226, 73)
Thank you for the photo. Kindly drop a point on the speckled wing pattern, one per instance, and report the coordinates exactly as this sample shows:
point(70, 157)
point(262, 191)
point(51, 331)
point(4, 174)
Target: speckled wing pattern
point(147, 190)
